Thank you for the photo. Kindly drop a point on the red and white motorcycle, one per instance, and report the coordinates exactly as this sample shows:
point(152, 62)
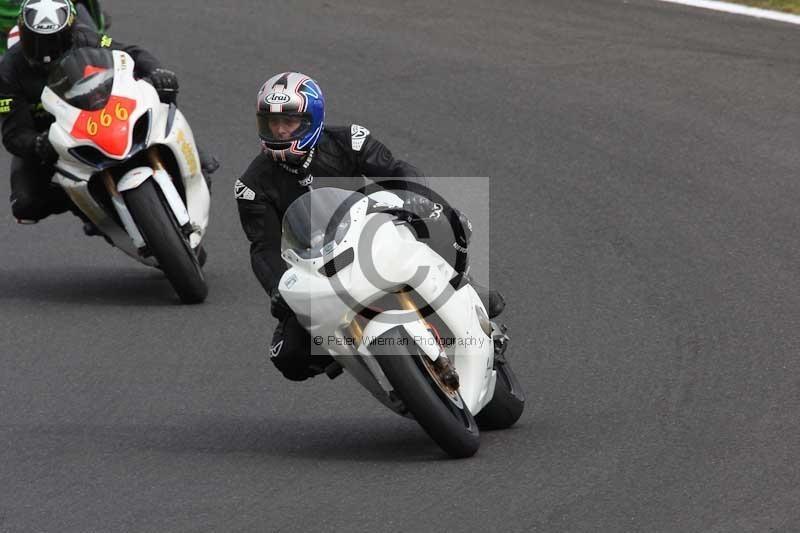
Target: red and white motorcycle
point(130, 164)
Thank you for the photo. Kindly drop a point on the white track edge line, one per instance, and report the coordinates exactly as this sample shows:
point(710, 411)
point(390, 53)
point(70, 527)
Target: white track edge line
point(737, 9)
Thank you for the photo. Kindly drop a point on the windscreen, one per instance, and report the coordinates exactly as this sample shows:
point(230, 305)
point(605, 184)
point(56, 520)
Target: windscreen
point(317, 222)
point(84, 78)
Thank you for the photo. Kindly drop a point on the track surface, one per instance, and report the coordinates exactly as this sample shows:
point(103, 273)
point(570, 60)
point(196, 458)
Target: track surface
point(646, 185)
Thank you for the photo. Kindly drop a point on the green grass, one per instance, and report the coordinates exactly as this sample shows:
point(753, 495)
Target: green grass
point(789, 6)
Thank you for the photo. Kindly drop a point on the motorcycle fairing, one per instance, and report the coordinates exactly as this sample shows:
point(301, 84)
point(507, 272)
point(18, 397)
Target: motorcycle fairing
point(396, 256)
point(167, 127)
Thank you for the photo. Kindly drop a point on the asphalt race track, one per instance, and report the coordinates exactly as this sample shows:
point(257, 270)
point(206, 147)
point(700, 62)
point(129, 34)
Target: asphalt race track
point(645, 190)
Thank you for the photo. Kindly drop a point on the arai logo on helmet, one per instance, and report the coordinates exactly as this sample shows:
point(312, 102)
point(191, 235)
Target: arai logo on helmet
point(277, 98)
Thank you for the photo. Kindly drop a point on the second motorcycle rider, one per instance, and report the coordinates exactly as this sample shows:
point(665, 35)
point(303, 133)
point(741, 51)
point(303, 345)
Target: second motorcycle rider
point(48, 29)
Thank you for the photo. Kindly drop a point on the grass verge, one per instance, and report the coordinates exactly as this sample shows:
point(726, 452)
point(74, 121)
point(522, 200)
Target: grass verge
point(788, 6)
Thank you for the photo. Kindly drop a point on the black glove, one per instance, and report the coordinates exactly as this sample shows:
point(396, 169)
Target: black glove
point(415, 207)
point(165, 83)
point(278, 306)
point(44, 149)
point(421, 207)
point(418, 207)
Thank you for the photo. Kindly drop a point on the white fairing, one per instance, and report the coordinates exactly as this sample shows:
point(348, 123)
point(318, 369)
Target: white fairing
point(168, 127)
point(396, 256)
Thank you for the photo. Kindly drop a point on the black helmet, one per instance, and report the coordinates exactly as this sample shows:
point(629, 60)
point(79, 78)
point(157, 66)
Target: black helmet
point(45, 29)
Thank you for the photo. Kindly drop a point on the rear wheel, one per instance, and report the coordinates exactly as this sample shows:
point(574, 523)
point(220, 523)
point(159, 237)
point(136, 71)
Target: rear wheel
point(202, 255)
point(508, 402)
point(166, 241)
point(440, 411)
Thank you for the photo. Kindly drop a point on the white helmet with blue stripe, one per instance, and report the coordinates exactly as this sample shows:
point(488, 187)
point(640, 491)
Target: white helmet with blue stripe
point(290, 113)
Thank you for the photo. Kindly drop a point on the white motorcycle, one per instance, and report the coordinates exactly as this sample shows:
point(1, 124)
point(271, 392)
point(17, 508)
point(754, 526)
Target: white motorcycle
point(130, 164)
point(381, 303)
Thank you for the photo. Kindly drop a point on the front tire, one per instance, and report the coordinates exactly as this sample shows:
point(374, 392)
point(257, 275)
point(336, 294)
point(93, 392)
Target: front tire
point(444, 417)
point(166, 242)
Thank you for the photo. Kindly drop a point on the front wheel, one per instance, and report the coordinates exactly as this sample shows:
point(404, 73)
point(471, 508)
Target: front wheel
point(166, 242)
point(442, 413)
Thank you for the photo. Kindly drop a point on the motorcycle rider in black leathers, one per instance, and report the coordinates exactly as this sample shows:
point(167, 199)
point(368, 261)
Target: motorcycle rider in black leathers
point(88, 12)
point(298, 150)
point(48, 30)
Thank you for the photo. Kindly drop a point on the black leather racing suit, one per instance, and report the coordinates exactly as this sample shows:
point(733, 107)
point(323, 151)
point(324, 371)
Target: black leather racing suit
point(266, 190)
point(21, 85)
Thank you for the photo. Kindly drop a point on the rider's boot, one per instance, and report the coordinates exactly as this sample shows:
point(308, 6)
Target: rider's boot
point(89, 228)
point(500, 339)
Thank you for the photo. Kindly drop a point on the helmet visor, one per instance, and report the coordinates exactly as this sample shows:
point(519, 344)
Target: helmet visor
point(283, 127)
point(44, 49)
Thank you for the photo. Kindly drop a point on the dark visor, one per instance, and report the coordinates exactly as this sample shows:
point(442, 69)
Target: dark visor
point(277, 127)
point(45, 49)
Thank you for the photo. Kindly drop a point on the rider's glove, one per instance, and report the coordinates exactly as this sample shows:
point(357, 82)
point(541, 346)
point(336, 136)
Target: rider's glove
point(165, 83)
point(420, 206)
point(278, 306)
point(44, 149)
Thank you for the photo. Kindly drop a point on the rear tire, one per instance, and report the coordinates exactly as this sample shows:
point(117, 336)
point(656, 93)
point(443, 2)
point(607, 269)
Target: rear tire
point(202, 255)
point(452, 427)
point(165, 240)
point(506, 405)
